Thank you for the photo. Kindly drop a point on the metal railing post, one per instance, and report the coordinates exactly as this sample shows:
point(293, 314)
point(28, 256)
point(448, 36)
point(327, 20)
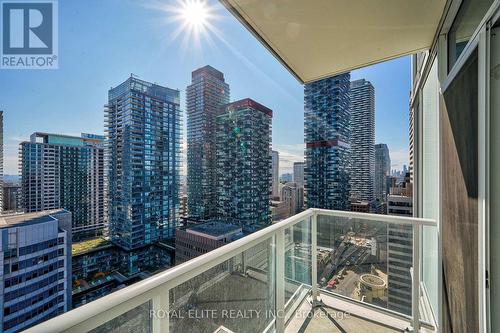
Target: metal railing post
point(160, 315)
point(280, 281)
point(314, 256)
point(416, 279)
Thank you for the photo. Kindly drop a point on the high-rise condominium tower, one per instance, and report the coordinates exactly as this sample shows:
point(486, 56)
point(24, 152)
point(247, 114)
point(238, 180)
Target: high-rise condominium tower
point(61, 171)
point(143, 148)
point(276, 173)
point(244, 163)
point(362, 140)
point(327, 153)
point(204, 97)
point(298, 174)
point(382, 171)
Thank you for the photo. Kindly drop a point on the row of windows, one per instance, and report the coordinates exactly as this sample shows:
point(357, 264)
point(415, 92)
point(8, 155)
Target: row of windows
point(39, 246)
point(20, 305)
point(32, 314)
point(34, 274)
point(30, 288)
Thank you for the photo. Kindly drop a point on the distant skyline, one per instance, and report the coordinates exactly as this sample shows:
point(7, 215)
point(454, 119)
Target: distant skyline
point(139, 39)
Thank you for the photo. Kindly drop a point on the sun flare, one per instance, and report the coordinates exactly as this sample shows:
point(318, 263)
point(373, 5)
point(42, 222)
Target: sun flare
point(195, 13)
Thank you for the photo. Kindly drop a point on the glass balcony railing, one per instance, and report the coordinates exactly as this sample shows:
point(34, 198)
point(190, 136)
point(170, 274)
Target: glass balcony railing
point(301, 274)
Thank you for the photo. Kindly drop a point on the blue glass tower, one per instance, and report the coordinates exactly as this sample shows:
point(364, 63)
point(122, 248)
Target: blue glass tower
point(327, 143)
point(143, 162)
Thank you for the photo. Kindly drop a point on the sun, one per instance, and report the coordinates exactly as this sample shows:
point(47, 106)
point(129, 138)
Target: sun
point(191, 21)
point(195, 13)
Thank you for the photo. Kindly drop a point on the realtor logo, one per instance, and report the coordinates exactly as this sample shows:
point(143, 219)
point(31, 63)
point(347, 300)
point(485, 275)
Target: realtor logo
point(29, 35)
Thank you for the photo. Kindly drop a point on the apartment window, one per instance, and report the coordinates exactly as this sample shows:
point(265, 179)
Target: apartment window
point(466, 22)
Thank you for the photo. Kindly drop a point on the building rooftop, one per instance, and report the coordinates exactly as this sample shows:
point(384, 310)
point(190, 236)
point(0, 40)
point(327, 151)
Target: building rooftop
point(28, 218)
point(208, 69)
point(247, 103)
point(66, 140)
point(214, 228)
point(88, 245)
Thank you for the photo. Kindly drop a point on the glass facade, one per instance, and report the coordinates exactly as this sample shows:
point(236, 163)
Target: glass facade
point(244, 163)
point(382, 171)
point(327, 126)
point(143, 147)
point(59, 171)
point(362, 140)
point(467, 20)
point(204, 97)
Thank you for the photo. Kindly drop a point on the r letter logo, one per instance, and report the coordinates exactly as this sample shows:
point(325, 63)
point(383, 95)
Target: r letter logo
point(29, 35)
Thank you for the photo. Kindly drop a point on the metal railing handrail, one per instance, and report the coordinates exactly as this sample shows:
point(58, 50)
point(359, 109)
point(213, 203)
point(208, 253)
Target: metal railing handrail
point(177, 275)
point(390, 219)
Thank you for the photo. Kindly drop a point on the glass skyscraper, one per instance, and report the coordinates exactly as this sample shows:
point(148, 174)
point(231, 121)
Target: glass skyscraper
point(204, 97)
point(143, 162)
point(244, 163)
point(382, 171)
point(362, 140)
point(327, 125)
point(62, 171)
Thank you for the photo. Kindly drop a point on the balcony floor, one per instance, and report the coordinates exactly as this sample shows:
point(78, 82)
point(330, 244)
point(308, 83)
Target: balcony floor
point(331, 317)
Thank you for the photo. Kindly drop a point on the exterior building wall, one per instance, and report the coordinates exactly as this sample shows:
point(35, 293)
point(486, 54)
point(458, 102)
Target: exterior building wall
point(59, 171)
point(143, 148)
point(400, 249)
point(276, 173)
point(362, 140)
point(399, 262)
point(360, 207)
point(35, 274)
point(244, 163)
point(189, 246)
point(206, 94)
point(11, 197)
point(1, 160)
point(280, 210)
point(202, 238)
point(327, 126)
point(107, 267)
point(382, 171)
point(292, 194)
point(93, 273)
point(298, 174)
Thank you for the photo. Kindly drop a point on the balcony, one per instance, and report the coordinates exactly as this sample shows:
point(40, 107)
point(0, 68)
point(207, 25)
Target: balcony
point(318, 271)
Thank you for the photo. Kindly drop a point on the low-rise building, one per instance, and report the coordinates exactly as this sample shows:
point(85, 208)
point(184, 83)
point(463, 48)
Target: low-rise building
point(202, 238)
point(280, 210)
point(360, 206)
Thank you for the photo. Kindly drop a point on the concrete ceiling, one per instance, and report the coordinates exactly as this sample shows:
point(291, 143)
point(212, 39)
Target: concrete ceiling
point(315, 39)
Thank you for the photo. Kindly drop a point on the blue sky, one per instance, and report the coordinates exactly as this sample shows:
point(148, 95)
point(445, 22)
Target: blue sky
point(102, 41)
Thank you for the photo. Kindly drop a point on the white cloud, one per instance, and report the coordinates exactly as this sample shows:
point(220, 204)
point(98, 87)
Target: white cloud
point(289, 154)
point(398, 158)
